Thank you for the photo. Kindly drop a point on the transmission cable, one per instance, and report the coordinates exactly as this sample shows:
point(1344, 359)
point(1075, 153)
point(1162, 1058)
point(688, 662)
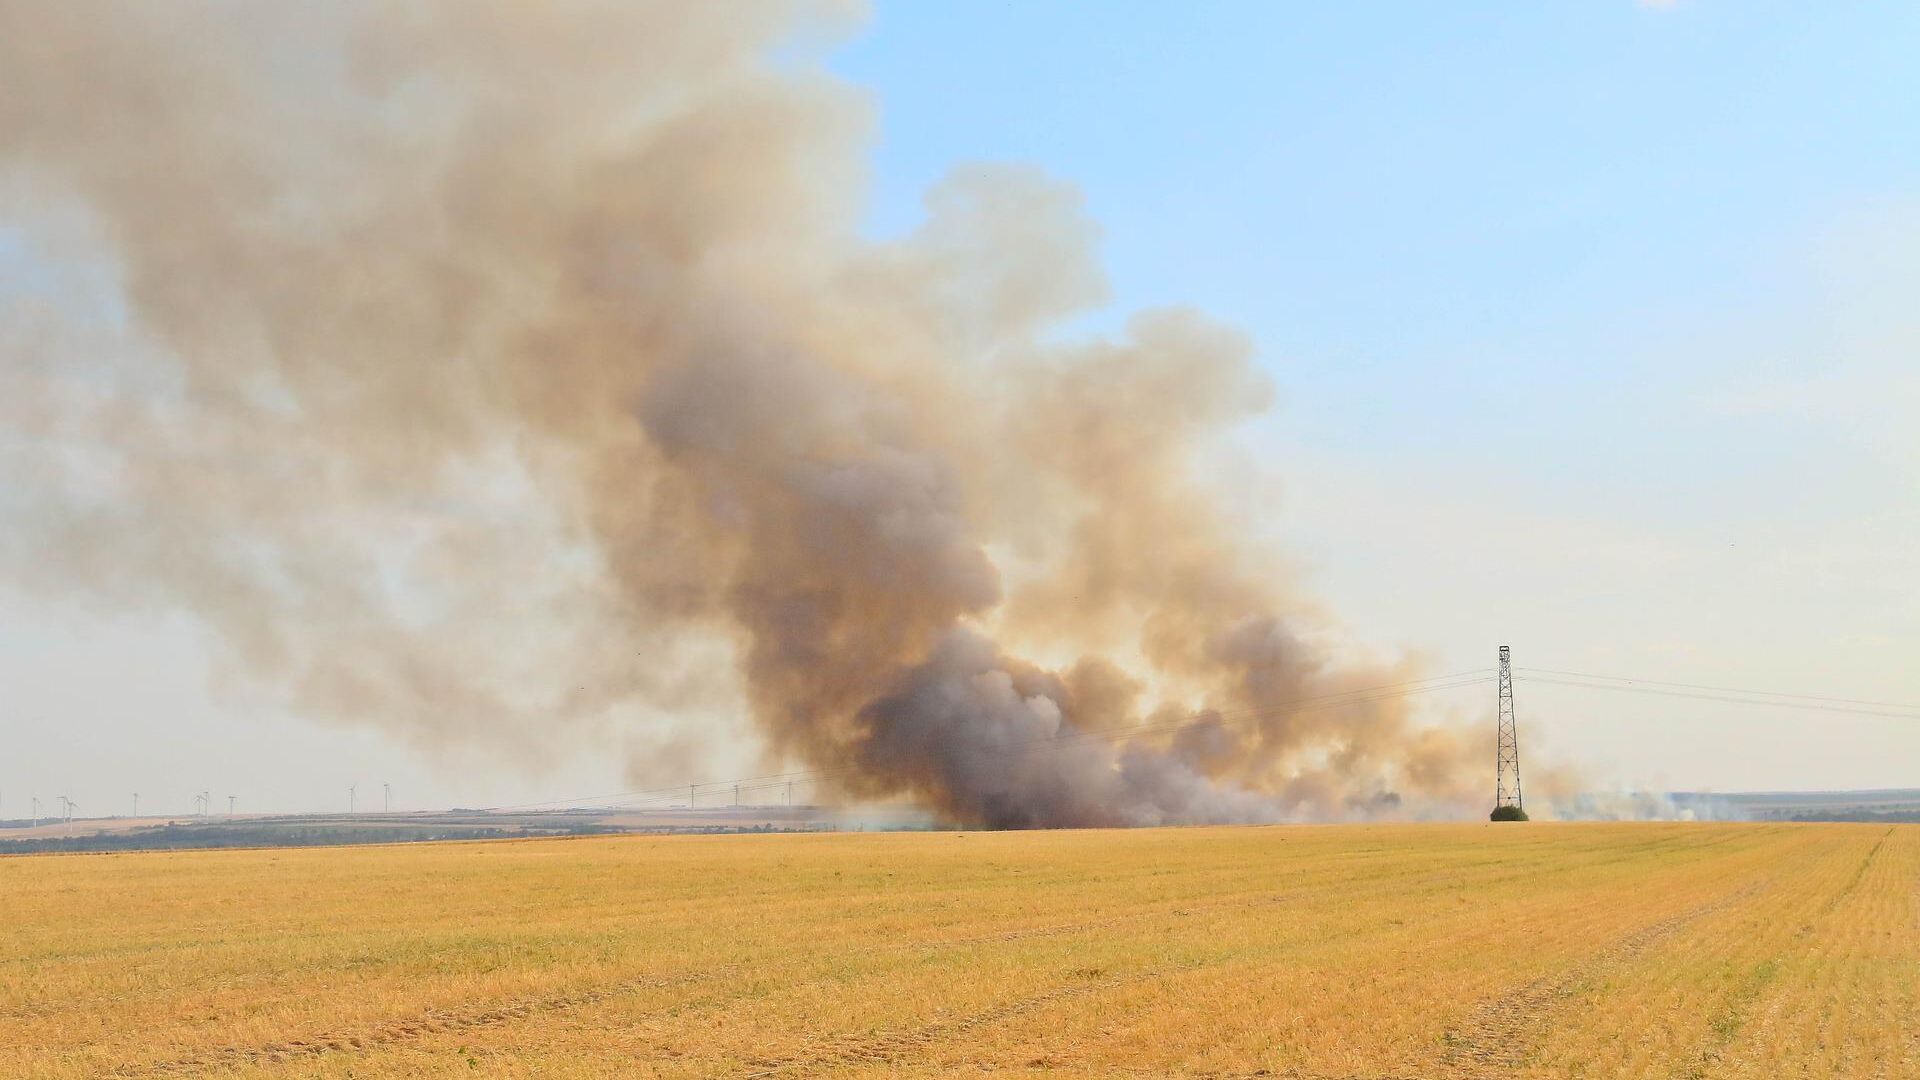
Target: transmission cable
point(1810, 705)
point(1724, 689)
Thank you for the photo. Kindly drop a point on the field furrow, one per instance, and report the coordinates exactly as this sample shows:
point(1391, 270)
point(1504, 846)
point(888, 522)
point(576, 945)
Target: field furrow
point(1701, 951)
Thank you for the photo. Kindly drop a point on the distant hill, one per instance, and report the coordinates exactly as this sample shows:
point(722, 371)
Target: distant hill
point(317, 830)
point(1879, 805)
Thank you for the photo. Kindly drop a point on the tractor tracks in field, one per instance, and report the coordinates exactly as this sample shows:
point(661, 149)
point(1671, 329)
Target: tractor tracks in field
point(406, 1029)
point(1853, 883)
point(442, 1021)
point(1481, 1043)
point(887, 1048)
point(901, 1047)
point(1733, 1015)
point(1501, 1036)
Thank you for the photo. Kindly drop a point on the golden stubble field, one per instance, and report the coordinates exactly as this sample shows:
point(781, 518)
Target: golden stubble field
point(1669, 950)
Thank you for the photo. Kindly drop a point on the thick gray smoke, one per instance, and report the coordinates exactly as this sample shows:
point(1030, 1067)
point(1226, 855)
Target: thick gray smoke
point(496, 373)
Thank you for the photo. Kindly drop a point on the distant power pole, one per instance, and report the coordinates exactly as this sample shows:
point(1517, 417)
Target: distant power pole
point(1506, 764)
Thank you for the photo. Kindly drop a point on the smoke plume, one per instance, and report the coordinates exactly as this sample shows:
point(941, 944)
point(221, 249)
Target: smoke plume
point(497, 373)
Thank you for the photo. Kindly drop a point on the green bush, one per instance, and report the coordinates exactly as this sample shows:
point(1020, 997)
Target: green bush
point(1507, 813)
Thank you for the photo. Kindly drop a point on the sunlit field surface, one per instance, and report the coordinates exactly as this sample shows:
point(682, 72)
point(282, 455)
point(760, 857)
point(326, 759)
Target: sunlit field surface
point(1385, 951)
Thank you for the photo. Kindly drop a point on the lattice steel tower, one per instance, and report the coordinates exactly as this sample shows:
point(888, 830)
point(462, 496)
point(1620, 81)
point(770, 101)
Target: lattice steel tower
point(1506, 756)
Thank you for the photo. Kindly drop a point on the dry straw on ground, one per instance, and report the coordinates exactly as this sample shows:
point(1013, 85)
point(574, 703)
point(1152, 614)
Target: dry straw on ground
point(1417, 951)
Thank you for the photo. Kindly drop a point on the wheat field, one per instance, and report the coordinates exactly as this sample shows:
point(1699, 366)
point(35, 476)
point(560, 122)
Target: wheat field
point(1666, 950)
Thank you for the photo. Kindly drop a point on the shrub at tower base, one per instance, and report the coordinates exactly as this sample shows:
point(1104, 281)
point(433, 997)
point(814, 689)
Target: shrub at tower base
point(1507, 813)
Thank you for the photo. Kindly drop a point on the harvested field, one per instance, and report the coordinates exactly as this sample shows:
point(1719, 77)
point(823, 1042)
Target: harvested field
point(1669, 950)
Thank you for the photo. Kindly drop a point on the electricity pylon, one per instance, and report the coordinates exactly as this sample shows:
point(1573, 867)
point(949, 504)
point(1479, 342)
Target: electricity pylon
point(1506, 755)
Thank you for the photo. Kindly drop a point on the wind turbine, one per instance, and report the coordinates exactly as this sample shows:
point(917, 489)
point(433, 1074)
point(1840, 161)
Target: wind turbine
point(36, 811)
point(352, 789)
point(386, 798)
point(206, 804)
point(230, 799)
point(68, 805)
point(136, 804)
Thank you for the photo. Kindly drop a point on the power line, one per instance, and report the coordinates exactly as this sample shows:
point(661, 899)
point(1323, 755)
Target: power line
point(1727, 689)
point(1358, 696)
point(1355, 697)
point(1808, 706)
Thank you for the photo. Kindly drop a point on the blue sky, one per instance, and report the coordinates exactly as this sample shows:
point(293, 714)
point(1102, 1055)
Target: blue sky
point(1593, 327)
point(1587, 319)
point(1494, 199)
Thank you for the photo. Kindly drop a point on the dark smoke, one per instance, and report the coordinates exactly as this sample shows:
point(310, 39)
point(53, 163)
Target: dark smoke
point(496, 373)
